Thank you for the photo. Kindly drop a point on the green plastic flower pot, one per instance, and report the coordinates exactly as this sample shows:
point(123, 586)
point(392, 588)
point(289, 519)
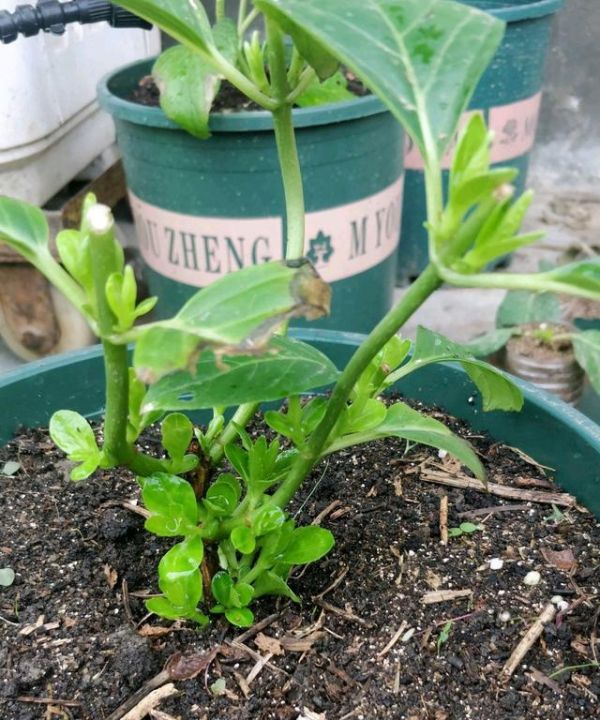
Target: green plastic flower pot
point(207, 207)
point(30, 395)
point(509, 95)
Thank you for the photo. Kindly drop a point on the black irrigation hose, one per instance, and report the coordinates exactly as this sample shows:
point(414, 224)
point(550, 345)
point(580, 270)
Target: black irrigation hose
point(53, 16)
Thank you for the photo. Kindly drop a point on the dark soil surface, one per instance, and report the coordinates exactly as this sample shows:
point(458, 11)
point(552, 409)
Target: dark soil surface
point(75, 641)
point(229, 99)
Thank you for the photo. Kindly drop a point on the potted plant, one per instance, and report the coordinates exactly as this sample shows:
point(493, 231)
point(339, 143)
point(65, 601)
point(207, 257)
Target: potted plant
point(205, 185)
point(227, 348)
point(509, 94)
point(541, 348)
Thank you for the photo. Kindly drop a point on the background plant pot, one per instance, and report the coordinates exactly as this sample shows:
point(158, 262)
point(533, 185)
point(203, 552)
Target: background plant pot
point(30, 395)
point(509, 94)
point(207, 207)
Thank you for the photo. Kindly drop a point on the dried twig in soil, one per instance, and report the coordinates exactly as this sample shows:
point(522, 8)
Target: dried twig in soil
point(493, 510)
point(256, 628)
point(397, 635)
point(148, 703)
point(527, 641)
point(437, 596)
point(465, 482)
point(48, 701)
point(334, 584)
point(341, 613)
point(444, 519)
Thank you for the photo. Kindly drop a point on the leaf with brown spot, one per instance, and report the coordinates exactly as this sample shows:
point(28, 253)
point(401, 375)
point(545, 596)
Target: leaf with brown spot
point(560, 559)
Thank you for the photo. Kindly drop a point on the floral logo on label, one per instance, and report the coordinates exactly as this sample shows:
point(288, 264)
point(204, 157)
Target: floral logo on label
point(321, 249)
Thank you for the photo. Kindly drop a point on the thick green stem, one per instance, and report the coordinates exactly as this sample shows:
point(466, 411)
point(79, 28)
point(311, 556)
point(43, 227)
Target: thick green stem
point(286, 144)
point(219, 10)
point(116, 369)
point(416, 295)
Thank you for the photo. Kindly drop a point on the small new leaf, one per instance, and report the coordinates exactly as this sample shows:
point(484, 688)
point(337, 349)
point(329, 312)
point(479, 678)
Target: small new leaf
point(74, 436)
point(172, 502)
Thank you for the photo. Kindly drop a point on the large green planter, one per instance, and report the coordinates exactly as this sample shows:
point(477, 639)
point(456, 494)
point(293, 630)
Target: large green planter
point(509, 94)
point(204, 208)
point(30, 395)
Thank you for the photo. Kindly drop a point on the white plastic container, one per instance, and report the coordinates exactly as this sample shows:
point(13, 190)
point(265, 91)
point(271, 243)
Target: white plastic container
point(50, 124)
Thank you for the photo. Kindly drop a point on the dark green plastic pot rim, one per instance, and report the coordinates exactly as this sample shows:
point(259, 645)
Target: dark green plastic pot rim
point(550, 404)
point(515, 11)
point(248, 121)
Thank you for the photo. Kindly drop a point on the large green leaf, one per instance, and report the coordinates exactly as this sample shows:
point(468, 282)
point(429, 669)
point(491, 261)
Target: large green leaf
point(578, 278)
point(498, 392)
point(184, 20)
point(236, 315)
point(403, 422)
point(188, 83)
point(286, 368)
point(490, 342)
point(423, 58)
point(520, 307)
point(587, 352)
point(23, 227)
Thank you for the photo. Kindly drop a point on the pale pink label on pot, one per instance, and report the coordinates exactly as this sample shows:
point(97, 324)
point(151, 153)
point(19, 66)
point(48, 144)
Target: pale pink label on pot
point(514, 127)
point(341, 242)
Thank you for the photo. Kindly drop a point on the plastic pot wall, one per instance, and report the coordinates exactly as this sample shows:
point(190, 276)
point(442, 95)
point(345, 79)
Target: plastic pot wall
point(207, 207)
point(509, 94)
point(30, 395)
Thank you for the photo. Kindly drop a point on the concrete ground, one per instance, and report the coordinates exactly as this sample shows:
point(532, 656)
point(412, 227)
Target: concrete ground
point(572, 224)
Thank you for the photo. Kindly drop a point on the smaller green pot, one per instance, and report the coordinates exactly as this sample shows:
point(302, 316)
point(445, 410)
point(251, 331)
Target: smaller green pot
point(207, 207)
point(509, 94)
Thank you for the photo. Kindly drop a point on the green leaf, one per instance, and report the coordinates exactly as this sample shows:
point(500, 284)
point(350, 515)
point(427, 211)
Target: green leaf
point(176, 435)
point(521, 307)
point(363, 417)
point(587, 351)
point(172, 502)
point(404, 422)
point(287, 367)
point(74, 436)
point(240, 617)
point(243, 540)
point(186, 21)
point(469, 527)
point(482, 256)
point(312, 413)
point(268, 518)
point(236, 314)
point(269, 583)
point(472, 154)
point(188, 84)
point(578, 278)
point(121, 295)
point(423, 58)
point(23, 227)
point(332, 90)
point(7, 577)
point(307, 544)
point(222, 587)
point(316, 54)
point(221, 498)
point(498, 392)
point(10, 467)
point(74, 251)
point(489, 343)
point(162, 607)
point(178, 574)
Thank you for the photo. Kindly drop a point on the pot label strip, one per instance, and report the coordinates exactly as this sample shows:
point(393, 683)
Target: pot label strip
point(514, 127)
point(341, 242)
